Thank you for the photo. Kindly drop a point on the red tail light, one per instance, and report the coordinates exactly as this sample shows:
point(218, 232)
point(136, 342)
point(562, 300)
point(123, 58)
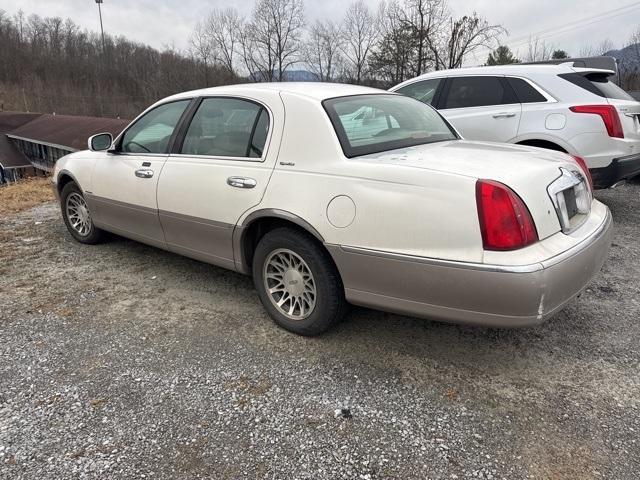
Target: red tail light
point(505, 221)
point(609, 116)
point(585, 169)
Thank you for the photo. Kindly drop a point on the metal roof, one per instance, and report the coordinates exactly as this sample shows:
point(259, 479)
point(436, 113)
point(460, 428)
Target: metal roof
point(10, 156)
point(12, 120)
point(68, 132)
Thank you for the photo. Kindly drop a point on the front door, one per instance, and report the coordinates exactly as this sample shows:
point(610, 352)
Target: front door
point(125, 179)
point(482, 108)
point(220, 170)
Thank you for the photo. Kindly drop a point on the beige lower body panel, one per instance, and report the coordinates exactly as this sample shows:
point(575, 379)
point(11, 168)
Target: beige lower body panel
point(478, 295)
point(193, 237)
point(198, 238)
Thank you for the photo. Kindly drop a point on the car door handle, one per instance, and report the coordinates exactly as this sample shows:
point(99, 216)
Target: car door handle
point(504, 115)
point(241, 182)
point(144, 173)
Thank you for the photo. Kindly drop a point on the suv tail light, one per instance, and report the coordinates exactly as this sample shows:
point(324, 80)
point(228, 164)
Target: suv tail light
point(585, 169)
point(609, 116)
point(505, 221)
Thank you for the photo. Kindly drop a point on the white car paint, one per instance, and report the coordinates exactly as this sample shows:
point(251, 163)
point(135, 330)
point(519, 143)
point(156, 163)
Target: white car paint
point(549, 120)
point(417, 202)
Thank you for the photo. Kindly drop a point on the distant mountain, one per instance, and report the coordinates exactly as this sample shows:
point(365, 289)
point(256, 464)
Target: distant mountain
point(628, 58)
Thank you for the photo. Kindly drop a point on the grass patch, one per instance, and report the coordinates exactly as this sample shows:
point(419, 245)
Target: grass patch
point(25, 194)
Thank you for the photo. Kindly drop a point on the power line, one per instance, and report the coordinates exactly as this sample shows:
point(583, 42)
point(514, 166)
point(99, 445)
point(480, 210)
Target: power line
point(567, 27)
point(577, 23)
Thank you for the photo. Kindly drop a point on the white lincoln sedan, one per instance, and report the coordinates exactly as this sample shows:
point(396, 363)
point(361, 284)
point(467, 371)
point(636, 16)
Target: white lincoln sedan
point(335, 194)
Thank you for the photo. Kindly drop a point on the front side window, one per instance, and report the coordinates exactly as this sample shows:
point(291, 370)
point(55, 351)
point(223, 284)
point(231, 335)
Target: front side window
point(425, 91)
point(376, 123)
point(227, 127)
point(467, 92)
point(152, 132)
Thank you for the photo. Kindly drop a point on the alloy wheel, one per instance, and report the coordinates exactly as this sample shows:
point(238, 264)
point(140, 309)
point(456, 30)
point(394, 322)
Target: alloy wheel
point(289, 284)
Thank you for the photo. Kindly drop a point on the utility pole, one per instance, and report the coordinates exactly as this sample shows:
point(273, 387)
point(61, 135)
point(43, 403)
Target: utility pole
point(101, 28)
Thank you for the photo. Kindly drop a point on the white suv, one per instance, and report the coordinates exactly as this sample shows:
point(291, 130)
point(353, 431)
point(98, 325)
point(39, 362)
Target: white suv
point(559, 107)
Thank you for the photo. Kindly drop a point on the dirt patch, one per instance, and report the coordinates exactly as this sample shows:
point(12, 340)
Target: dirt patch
point(121, 361)
point(25, 194)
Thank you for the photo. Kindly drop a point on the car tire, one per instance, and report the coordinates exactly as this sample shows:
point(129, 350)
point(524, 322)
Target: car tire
point(290, 262)
point(77, 217)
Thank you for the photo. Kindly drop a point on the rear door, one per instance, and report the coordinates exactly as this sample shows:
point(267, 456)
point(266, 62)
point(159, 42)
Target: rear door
point(482, 108)
point(218, 169)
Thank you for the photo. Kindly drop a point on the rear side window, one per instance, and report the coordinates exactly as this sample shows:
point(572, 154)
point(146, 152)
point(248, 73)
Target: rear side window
point(477, 92)
point(227, 127)
point(425, 91)
point(524, 91)
point(598, 84)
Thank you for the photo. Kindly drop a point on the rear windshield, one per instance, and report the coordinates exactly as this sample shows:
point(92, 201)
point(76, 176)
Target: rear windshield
point(597, 83)
point(376, 123)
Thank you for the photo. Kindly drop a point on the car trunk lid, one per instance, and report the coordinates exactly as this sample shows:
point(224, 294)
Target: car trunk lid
point(528, 171)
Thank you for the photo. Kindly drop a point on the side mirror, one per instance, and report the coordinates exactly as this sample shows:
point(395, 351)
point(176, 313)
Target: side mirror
point(100, 142)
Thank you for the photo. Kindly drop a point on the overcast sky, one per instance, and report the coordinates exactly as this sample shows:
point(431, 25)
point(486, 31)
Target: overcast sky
point(165, 22)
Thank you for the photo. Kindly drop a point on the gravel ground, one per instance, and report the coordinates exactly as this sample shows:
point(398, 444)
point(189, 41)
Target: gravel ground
point(124, 361)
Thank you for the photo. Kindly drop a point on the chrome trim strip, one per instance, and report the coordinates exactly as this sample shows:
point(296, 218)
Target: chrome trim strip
point(218, 157)
point(535, 267)
point(575, 180)
point(530, 268)
point(118, 203)
point(189, 218)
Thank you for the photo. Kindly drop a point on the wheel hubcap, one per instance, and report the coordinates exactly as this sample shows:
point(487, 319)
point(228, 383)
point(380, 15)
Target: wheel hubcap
point(78, 214)
point(290, 284)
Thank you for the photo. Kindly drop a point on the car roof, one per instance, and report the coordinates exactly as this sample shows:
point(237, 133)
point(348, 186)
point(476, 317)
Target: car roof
point(316, 90)
point(513, 69)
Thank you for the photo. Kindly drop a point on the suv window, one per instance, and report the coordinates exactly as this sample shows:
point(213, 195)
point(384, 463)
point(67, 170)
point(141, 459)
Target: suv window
point(524, 91)
point(227, 127)
point(477, 92)
point(424, 91)
point(152, 132)
point(597, 83)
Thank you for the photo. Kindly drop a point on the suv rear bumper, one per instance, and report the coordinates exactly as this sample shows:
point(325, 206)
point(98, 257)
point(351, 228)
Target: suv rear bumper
point(478, 294)
point(619, 169)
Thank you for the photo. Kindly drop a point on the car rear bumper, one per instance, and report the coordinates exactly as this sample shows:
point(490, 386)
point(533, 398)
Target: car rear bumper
point(479, 294)
point(619, 169)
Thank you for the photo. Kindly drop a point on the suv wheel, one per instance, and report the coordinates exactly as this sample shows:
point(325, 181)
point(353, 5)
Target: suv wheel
point(297, 282)
point(76, 215)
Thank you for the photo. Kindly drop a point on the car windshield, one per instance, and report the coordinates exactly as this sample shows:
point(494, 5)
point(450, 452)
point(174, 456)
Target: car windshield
point(376, 123)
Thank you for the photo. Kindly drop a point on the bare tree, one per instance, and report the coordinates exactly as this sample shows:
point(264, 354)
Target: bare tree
point(538, 50)
point(425, 18)
point(322, 49)
point(394, 57)
point(201, 47)
point(271, 41)
point(361, 32)
point(19, 21)
point(595, 50)
point(463, 37)
point(223, 30)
